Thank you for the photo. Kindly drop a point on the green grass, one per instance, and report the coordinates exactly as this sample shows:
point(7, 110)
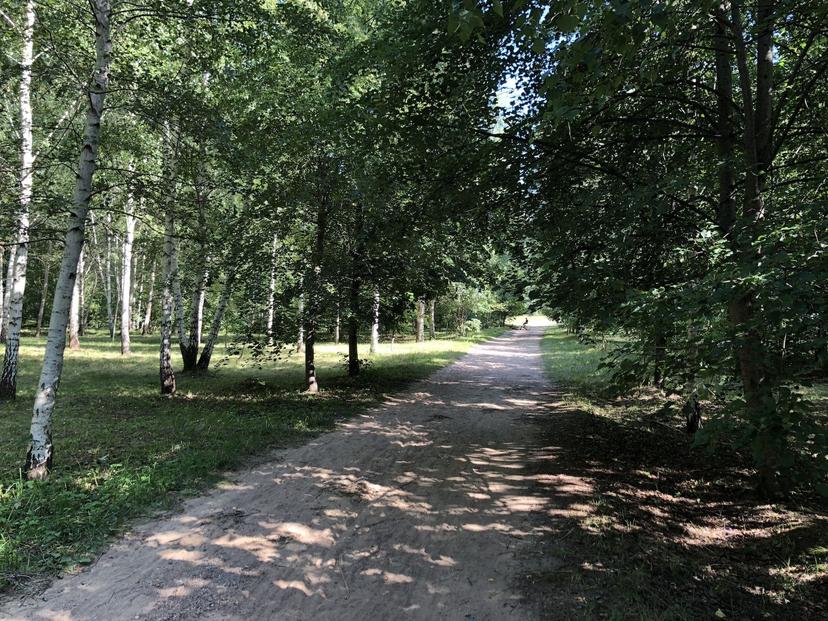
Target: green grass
point(573, 365)
point(122, 450)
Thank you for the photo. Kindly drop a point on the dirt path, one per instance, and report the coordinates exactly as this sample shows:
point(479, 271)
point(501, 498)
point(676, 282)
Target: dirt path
point(426, 508)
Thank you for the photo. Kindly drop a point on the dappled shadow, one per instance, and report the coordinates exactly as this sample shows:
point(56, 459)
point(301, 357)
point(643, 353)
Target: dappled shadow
point(423, 508)
point(479, 494)
point(672, 533)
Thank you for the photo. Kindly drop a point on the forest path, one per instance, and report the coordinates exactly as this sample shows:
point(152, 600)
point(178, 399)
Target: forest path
point(427, 507)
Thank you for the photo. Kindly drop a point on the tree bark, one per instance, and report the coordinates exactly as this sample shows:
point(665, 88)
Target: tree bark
point(271, 297)
point(8, 286)
point(754, 367)
point(212, 337)
point(420, 323)
point(190, 341)
point(300, 341)
point(170, 278)
point(353, 325)
point(146, 326)
point(110, 314)
point(126, 275)
point(75, 306)
point(47, 264)
point(314, 280)
point(375, 317)
point(432, 330)
point(39, 457)
point(8, 380)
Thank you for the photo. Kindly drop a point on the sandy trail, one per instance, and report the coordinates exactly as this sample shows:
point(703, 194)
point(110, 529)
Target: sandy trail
point(424, 508)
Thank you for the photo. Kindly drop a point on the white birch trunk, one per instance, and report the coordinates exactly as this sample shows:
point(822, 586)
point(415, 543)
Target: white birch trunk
point(212, 337)
point(171, 292)
point(107, 275)
point(271, 298)
point(47, 264)
point(126, 276)
point(146, 326)
point(432, 329)
point(375, 315)
point(300, 341)
point(9, 285)
point(8, 381)
point(420, 323)
point(137, 298)
point(75, 306)
point(39, 458)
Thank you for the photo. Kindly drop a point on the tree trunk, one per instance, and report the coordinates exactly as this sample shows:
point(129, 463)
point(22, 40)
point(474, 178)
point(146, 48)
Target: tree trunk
point(314, 280)
point(126, 275)
point(420, 323)
point(375, 317)
point(659, 357)
point(190, 341)
point(8, 380)
point(271, 297)
point(353, 323)
point(432, 330)
point(139, 292)
point(110, 314)
point(337, 326)
point(47, 264)
point(75, 306)
point(170, 277)
point(146, 326)
point(8, 286)
point(300, 341)
point(757, 381)
point(212, 337)
point(39, 458)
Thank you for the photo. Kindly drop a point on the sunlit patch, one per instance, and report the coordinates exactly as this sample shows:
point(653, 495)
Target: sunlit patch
point(190, 556)
point(440, 561)
point(300, 533)
point(264, 550)
point(298, 585)
point(184, 588)
point(387, 576)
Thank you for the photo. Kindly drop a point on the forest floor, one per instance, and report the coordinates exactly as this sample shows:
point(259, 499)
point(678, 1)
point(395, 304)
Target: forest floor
point(483, 492)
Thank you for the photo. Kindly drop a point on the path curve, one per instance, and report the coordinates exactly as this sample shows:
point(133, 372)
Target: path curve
point(427, 507)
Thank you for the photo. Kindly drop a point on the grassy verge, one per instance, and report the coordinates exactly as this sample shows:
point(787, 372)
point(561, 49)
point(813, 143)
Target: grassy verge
point(123, 450)
point(666, 531)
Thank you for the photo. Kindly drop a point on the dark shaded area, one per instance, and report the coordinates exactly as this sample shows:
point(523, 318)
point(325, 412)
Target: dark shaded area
point(675, 533)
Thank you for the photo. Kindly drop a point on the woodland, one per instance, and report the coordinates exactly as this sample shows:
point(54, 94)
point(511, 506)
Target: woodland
point(208, 190)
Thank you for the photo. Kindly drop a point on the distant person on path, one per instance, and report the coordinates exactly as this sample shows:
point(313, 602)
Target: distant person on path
point(525, 323)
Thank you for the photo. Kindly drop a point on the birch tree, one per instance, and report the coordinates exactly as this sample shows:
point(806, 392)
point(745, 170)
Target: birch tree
point(126, 273)
point(171, 287)
point(375, 318)
point(8, 380)
point(41, 450)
